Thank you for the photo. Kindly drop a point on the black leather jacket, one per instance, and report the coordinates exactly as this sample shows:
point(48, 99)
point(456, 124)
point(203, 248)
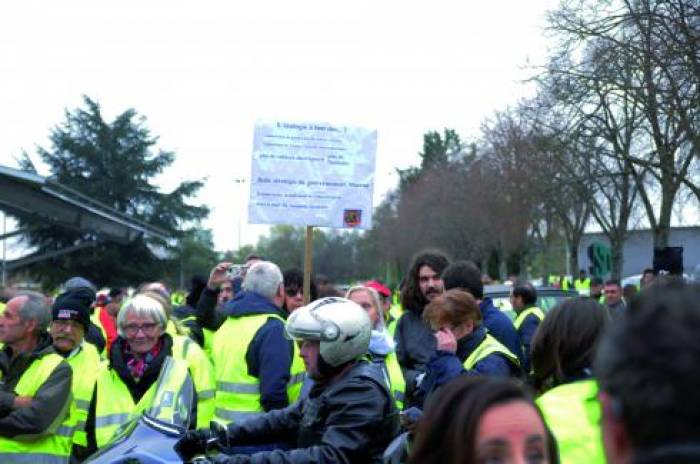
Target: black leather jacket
point(352, 420)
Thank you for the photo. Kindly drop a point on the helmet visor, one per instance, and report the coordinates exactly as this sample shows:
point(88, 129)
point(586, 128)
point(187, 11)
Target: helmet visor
point(302, 325)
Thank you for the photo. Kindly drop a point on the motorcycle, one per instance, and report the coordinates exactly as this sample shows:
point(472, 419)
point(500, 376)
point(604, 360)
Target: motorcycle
point(150, 437)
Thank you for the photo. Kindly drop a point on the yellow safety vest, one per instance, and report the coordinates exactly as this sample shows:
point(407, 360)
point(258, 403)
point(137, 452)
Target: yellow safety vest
point(49, 447)
point(583, 287)
point(202, 373)
point(237, 392)
point(208, 342)
point(520, 318)
point(489, 345)
point(115, 406)
point(85, 365)
point(396, 310)
point(397, 383)
point(572, 412)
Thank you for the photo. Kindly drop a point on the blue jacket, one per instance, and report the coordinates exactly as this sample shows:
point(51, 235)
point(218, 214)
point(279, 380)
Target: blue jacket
point(526, 332)
point(501, 327)
point(269, 355)
point(445, 366)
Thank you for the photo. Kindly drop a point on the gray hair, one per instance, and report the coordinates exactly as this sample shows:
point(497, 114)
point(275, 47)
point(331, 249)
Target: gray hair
point(144, 306)
point(35, 308)
point(264, 278)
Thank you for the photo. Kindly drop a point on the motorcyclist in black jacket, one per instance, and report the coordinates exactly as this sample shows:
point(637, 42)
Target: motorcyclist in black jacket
point(348, 416)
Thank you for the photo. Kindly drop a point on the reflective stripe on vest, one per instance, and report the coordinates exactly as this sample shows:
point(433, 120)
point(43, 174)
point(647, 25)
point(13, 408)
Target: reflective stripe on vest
point(489, 345)
point(115, 406)
point(47, 447)
point(85, 365)
point(571, 411)
point(237, 392)
point(523, 315)
point(398, 384)
point(202, 373)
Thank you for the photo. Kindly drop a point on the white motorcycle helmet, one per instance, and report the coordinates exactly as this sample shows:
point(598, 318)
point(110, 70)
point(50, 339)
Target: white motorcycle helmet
point(341, 326)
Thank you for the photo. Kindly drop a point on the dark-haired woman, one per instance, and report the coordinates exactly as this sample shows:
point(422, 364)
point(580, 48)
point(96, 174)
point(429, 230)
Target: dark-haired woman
point(563, 350)
point(294, 289)
point(482, 420)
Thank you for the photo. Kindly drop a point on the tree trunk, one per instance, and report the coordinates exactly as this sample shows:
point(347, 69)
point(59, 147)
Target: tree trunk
point(618, 258)
point(573, 259)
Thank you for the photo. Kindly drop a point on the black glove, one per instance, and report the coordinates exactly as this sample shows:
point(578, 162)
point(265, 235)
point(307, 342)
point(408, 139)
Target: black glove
point(194, 442)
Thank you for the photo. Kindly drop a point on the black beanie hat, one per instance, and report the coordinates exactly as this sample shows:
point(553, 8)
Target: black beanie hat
point(74, 306)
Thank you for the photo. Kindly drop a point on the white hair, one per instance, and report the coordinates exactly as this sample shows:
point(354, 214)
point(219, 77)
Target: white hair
point(264, 278)
point(144, 306)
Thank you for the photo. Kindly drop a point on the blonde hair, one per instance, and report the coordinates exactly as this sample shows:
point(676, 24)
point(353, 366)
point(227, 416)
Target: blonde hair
point(374, 297)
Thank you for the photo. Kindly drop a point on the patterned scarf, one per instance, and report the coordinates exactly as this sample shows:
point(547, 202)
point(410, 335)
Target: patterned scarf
point(137, 363)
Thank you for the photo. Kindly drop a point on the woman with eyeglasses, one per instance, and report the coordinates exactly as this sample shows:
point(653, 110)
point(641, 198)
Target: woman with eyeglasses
point(562, 354)
point(126, 385)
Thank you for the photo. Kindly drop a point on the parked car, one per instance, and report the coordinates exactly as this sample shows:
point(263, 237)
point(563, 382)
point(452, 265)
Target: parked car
point(547, 297)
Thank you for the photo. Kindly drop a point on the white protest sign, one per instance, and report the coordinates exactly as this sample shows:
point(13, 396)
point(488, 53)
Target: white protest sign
point(312, 174)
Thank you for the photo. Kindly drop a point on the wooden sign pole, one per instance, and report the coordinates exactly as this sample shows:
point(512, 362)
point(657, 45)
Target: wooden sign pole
point(308, 256)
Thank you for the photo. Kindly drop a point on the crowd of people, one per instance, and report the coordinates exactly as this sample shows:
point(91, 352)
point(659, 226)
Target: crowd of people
point(440, 375)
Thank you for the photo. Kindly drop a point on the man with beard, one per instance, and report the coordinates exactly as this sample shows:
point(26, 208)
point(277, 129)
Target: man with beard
point(415, 342)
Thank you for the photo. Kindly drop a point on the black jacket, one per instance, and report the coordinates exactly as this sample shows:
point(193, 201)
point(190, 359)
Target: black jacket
point(51, 401)
point(352, 420)
point(415, 346)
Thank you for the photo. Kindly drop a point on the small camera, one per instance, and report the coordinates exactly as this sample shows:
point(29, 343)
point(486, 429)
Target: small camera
point(236, 270)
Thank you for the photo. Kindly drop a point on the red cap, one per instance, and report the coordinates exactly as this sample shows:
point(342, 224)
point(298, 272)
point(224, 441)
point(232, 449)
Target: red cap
point(381, 289)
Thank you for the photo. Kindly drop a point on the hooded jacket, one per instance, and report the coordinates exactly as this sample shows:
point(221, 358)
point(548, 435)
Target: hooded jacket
point(350, 420)
point(51, 401)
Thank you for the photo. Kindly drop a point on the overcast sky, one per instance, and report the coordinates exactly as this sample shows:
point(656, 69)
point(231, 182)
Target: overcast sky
point(203, 72)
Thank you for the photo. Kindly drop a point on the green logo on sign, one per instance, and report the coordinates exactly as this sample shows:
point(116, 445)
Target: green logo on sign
point(601, 259)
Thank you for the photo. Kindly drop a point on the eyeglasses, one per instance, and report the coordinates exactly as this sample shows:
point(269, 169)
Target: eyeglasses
point(148, 329)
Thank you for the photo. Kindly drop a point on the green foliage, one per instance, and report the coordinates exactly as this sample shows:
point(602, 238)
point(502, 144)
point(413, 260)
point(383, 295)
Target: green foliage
point(113, 163)
point(194, 255)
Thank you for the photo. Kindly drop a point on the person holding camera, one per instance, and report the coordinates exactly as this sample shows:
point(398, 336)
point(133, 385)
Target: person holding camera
point(255, 365)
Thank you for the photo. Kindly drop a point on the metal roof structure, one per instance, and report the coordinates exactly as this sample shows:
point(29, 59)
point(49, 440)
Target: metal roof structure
point(42, 202)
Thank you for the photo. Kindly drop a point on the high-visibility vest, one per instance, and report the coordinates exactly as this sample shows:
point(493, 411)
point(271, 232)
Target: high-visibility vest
point(237, 392)
point(114, 405)
point(396, 310)
point(572, 412)
point(48, 447)
point(202, 373)
point(489, 345)
point(397, 384)
point(208, 342)
point(85, 365)
point(520, 318)
point(583, 287)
